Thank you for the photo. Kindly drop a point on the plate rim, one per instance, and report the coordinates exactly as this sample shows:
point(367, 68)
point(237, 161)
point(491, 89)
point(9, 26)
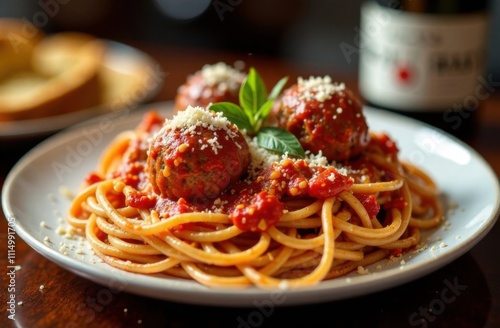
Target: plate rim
point(183, 291)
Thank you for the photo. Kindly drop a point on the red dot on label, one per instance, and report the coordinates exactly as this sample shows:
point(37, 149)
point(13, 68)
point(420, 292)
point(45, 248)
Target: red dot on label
point(404, 74)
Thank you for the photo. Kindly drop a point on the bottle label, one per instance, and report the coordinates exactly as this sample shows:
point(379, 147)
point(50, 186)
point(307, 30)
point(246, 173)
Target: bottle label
point(417, 61)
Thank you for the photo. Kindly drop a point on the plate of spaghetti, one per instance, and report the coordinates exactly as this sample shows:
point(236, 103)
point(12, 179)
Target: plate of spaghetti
point(323, 199)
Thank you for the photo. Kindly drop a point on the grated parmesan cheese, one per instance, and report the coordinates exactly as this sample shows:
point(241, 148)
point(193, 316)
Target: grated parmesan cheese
point(283, 285)
point(223, 76)
point(363, 270)
point(193, 117)
point(260, 158)
point(66, 192)
point(319, 88)
point(63, 248)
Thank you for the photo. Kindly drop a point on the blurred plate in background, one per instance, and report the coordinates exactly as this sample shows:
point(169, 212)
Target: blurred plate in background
point(129, 77)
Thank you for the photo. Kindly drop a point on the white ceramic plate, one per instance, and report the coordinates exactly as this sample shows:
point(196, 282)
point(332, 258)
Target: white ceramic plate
point(31, 194)
point(130, 77)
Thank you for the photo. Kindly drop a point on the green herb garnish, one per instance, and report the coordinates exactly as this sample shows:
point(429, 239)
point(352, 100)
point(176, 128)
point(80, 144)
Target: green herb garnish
point(254, 108)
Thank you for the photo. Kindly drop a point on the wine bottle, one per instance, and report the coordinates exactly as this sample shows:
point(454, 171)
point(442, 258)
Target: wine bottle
point(426, 59)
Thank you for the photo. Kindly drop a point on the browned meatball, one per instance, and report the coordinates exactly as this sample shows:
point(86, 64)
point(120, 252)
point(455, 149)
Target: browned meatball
point(196, 156)
point(324, 117)
point(211, 84)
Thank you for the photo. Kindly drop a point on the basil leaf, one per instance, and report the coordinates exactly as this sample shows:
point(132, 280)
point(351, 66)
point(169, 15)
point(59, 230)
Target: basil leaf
point(264, 111)
point(253, 93)
point(279, 140)
point(246, 99)
point(259, 88)
point(234, 114)
point(275, 92)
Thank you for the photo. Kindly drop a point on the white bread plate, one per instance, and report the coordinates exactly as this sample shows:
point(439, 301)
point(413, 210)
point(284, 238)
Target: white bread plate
point(50, 82)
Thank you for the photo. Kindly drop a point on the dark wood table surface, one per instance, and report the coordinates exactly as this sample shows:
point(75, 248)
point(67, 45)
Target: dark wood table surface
point(68, 300)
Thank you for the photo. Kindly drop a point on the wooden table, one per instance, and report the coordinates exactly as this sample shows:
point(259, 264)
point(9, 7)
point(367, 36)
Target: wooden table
point(68, 300)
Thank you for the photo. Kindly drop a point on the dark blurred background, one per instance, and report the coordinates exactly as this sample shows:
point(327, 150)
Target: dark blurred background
point(309, 33)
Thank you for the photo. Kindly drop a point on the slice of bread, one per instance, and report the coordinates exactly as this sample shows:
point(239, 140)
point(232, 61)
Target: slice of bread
point(17, 42)
point(62, 75)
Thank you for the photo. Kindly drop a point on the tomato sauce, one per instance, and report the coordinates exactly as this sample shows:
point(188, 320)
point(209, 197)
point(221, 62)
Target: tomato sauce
point(92, 178)
point(254, 206)
point(140, 200)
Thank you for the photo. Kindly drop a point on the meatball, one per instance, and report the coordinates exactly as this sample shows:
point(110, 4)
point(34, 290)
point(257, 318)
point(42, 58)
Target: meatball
point(196, 156)
point(211, 84)
point(325, 117)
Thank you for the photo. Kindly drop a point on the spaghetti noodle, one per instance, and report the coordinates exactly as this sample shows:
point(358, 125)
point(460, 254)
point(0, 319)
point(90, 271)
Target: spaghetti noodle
point(330, 218)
